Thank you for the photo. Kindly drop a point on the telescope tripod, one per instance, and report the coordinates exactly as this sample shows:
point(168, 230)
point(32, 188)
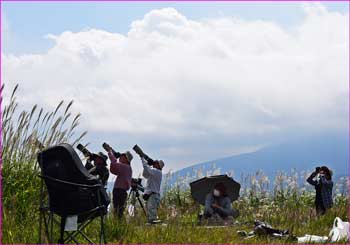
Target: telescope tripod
point(135, 195)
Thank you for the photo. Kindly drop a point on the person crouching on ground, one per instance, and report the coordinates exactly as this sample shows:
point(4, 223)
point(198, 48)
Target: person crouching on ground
point(153, 176)
point(321, 178)
point(122, 169)
point(218, 204)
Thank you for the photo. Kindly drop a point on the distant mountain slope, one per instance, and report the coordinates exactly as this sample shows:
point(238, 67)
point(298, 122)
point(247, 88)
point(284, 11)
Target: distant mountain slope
point(302, 153)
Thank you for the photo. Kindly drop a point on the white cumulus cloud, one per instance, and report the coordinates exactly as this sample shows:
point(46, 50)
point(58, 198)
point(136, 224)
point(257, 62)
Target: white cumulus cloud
point(185, 80)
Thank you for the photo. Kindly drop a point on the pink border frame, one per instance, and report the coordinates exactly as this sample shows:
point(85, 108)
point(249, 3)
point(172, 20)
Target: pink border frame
point(183, 1)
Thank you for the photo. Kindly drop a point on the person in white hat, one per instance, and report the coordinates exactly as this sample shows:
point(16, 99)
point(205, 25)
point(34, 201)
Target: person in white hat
point(153, 176)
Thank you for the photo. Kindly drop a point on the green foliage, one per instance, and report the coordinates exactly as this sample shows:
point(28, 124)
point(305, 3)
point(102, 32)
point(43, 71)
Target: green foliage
point(24, 134)
point(183, 228)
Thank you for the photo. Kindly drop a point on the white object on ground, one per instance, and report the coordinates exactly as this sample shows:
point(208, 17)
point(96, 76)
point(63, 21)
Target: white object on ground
point(71, 223)
point(131, 210)
point(312, 238)
point(340, 231)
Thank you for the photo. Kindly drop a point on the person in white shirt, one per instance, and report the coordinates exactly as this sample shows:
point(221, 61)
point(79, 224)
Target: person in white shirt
point(153, 176)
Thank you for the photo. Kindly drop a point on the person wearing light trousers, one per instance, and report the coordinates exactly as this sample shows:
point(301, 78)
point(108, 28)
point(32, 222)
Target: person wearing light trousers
point(153, 176)
point(152, 206)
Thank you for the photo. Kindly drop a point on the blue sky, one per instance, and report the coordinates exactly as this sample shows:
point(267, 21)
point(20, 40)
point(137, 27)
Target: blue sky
point(30, 22)
point(191, 82)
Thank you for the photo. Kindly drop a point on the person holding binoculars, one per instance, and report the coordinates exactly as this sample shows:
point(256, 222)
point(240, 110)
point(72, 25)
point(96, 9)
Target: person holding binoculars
point(321, 178)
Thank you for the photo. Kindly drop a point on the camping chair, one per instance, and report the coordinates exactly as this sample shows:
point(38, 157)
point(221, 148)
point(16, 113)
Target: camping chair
point(73, 194)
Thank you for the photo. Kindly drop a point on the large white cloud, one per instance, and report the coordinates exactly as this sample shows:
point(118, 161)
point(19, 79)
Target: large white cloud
point(185, 79)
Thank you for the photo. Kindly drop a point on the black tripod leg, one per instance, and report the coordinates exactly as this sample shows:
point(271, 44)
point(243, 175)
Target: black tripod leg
point(40, 226)
point(102, 231)
point(141, 204)
point(102, 228)
point(51, 227)
point(46, 219)
point(63, 223)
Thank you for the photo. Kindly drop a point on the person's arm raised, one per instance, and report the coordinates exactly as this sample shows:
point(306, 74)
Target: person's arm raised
point(311, 180)
point(114, 164)
point(147, 171)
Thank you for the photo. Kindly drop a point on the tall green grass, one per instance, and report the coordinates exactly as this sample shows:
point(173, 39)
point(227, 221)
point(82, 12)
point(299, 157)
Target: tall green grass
point(24, 134)
point(296, 215)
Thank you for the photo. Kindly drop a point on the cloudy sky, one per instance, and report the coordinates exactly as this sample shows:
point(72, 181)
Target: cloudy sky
point(188, 82)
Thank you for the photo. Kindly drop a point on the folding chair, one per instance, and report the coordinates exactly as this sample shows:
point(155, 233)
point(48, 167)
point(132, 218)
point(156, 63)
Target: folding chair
point(71, 192)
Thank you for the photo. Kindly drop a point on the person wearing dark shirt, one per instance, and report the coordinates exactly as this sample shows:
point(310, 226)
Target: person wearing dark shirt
point(321, 179)
point(98, 167)
point(218, 203)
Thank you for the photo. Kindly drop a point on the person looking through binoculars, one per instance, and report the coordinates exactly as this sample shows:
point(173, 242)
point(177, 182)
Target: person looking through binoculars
point(152, 171)
point(96, 164)
point(120, 166)
point(321, 179)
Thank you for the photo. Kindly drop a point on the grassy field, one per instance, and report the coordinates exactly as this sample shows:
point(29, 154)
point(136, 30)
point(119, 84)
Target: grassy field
point(296, 215)
point(282, 202)
point(181, 224)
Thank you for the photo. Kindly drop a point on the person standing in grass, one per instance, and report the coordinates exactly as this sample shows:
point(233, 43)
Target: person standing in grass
point(121, 168)
point(153, 176)
point(321, 178)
